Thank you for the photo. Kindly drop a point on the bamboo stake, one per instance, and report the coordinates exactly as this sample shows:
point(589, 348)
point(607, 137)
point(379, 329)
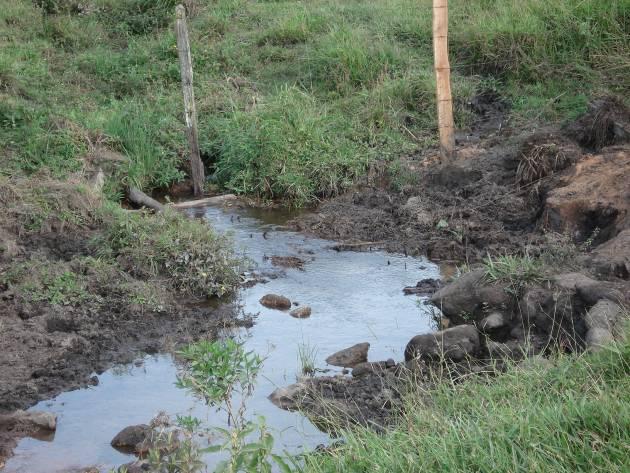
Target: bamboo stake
point(190, 112)
point(446, 125)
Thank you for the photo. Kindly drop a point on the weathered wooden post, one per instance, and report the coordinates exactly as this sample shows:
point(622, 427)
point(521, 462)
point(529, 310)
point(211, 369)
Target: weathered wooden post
point(446, 125)
point(185, 64)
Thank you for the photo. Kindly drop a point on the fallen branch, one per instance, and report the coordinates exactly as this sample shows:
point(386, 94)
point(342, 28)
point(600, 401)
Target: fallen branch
point(358, 246)
point(138, 197)
point(203, 202)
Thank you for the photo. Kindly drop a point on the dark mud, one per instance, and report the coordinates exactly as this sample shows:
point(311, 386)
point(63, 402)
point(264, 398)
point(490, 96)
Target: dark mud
point(51, 348)
point(492, 199)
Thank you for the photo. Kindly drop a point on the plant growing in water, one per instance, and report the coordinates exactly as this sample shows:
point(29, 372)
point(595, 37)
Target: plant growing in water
point(222, 372)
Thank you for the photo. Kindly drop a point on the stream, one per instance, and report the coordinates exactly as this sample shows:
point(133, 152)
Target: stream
point(355, 297)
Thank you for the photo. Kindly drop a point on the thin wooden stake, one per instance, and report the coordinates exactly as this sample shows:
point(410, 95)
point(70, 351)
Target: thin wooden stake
point(446, 125)
point(190, 112)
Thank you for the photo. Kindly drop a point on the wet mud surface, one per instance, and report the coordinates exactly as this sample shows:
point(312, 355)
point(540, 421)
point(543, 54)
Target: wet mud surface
point(493, 198)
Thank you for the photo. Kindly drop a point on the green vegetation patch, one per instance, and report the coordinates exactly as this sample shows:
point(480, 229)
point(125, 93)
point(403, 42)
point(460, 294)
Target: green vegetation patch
point(573, 416)
point(355, 80)
point(194, 259)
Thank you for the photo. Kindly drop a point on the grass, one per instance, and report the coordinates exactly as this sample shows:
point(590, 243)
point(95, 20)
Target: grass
point(295, 99)
point(514, 270)
point(194, 259)
point(307, 356)
point(139, 256)
point(573, 416)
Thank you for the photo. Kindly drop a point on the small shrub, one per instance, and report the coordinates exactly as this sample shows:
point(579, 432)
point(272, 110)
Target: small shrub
point(289, 148)
point(194, 258)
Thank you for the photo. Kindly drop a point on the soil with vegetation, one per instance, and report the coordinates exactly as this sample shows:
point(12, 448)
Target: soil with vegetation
point(331, 105)
point(85, 285)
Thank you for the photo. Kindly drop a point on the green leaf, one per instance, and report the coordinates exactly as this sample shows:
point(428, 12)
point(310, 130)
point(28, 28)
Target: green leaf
point(281, 463)
point(212, 449)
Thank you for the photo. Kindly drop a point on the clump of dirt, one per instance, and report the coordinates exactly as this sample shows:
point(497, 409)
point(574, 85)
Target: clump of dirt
point(65, 315)
point(288, 262)
point(605, 123)
point(501, 195)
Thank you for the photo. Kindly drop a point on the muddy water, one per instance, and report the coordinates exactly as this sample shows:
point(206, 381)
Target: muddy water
point(355, 297)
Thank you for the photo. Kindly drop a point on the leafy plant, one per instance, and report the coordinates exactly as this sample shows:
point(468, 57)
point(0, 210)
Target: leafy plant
point(218, 372)
point(197, 260)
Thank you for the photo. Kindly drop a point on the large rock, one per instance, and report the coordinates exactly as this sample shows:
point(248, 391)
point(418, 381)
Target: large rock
point(551, 312)
point(289, 397)
point(601, 321)
point(460, 295)
point(350, 357)
point(613, 257)
point(468, 294)
point(132, 438)
point(589, 290)
point(451, 344)
point(274, 301)
point(32, 420)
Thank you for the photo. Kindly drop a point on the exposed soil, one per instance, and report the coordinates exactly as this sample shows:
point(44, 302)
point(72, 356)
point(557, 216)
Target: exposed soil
point(507, 188)
point(50, 348)
point(557, 192)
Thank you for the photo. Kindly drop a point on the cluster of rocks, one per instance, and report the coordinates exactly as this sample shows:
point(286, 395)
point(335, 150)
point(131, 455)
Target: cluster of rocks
point(368, 397)
point(484, 323)
point(570, 311)
point(275, 301)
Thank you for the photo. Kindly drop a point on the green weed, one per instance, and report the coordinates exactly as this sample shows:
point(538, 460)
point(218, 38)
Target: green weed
point(516, 271)
point(196, 260)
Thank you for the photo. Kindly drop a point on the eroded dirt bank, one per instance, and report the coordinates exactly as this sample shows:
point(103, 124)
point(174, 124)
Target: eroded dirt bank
point(555, 201)
point(510, 190)
point(68, 311)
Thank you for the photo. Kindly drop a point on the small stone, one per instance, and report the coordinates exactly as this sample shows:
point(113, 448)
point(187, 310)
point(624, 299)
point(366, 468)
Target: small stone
point(302, 312)
point(274, 301)
point(289, 397)
point(349, 357)
point(132, 437)
point(493, 321)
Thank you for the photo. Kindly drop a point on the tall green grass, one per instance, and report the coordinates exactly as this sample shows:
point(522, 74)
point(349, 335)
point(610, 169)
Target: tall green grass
point(359, 76)
point(573, 416)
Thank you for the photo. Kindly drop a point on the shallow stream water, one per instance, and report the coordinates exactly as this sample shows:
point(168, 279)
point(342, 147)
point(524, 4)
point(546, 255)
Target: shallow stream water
point(355, 297)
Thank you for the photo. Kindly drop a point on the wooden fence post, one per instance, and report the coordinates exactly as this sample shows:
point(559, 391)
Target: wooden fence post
point(190, 112)
point(446, 125)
